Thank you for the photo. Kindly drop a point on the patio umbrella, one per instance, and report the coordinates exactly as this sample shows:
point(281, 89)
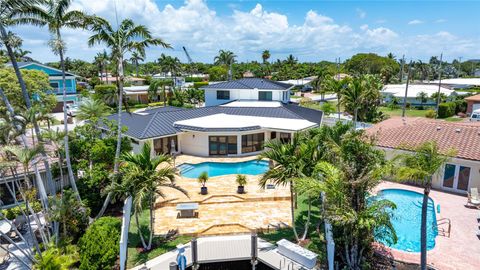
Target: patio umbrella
point(181, 259)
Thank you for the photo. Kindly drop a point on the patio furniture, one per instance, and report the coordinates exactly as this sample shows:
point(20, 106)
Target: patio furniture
point(4, 254)
point(187, 210)
point(473, 197)
point(5, 226)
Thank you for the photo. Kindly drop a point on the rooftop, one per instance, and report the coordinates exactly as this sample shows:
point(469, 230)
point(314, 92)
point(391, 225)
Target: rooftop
point(461, 81)
point(250, 83)
point(473, 98)
point(407, 133)
point(398, 90)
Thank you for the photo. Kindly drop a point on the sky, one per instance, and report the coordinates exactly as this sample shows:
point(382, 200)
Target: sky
point(312, 30)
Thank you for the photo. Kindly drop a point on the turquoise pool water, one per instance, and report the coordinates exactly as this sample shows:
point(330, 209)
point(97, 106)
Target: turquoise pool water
point(407, 219)
point(252, 167)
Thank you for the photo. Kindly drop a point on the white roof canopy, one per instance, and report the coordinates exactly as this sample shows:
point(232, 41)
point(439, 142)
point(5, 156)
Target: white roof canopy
point(398, 90)
point(249, 103)
point(226, 121)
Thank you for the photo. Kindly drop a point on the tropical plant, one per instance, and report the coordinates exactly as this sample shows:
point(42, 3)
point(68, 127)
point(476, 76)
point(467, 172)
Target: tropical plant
point(203, 178)
point(318, 82)
point(423, 97)
point(241, 179)
point(92, 109)
point(328, 108)
point(57, 258)
point(99, 246)
point(135, 58)
point(170, 64)
point(420, 166)
point(265, 56)
point(153, 90)
point(224, 58)
point(337, 87)
point(101, 60)
point(128, 37)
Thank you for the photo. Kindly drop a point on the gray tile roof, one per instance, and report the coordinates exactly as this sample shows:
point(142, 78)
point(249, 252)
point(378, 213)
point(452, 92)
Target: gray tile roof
point(160, 121)
point(250, 83)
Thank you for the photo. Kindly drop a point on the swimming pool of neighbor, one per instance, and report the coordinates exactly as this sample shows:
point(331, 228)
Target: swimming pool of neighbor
point(252, 167)
point(407, 219)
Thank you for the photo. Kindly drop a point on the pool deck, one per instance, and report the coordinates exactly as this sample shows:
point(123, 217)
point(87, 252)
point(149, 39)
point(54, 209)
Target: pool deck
point(222, 211)
point(461, 250)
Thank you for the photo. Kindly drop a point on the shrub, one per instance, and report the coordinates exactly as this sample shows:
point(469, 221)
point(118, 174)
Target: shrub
point(328, 108)
point(99, 246)
point(57, 258)
point(102, 90)
point(203, 178)
point(306, 101)
point(460, 106)
point(175, 103)
point(193, 79)
point(199, 84)
point(241, 180)
point(430, 114)
point(446, 109)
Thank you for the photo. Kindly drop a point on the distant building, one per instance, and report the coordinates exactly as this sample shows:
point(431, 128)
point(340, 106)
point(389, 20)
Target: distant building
point(56, 82)
point(246, 89)
point(134, 81)
point(391, 91)
point(473, 103)
point(476, 73)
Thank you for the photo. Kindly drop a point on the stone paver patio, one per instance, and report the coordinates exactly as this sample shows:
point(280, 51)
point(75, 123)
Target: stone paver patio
point(459, 251)
point(222, 211)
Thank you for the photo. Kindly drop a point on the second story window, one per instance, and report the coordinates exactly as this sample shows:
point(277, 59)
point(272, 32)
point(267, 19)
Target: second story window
point(265, 95)
point(221, 94)
point(55, 86)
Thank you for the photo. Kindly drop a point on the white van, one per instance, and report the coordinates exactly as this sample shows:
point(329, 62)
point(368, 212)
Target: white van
point(475, 115)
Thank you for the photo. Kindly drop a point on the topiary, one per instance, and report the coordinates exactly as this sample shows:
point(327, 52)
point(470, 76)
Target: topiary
point(430, 114)
point(99, 246)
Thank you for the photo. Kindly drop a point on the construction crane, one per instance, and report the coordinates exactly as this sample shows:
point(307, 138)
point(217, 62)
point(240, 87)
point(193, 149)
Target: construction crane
point(189, 61)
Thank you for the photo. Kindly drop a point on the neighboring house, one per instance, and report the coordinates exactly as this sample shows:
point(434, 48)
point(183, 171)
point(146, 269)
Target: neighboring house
point(56, 82)
point(246, 89)
point(134, 81)
point(460, 173)
point(390, 91)
point(473, 103)
point(233, 129)
point(460, 82)
point(137, 94)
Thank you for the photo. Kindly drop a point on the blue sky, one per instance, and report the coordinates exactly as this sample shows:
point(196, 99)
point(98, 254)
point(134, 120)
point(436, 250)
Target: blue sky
point(310, 30)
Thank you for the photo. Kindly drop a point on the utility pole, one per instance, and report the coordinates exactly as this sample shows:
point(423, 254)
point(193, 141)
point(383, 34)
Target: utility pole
point(459, 66)
point(406, 90)
point(439, 86)
point(401, 68)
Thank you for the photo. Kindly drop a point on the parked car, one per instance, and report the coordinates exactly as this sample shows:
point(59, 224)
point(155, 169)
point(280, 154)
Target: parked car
point(72, 109)
point(475, 116)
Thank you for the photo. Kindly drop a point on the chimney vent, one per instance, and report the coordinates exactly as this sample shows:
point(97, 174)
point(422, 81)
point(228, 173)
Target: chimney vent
point(457, 130)
point(439, 127)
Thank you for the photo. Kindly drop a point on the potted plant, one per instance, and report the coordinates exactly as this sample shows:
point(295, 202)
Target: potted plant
point(241, 181)
point(202, 179)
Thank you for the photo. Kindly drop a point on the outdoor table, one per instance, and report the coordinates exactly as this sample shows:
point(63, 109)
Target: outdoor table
point(187, 210)
point(5, 227)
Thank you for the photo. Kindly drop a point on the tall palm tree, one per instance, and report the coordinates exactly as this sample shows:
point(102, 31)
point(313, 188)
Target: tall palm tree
point(153, 89)
point(225, 58)
point(420, 166)
point(170, 64)
point(127, 37)
point(13, 12)
point(291, 60)
point(143, 180)
point(318, 82)
point(265, 56)
point(330, 84)
point(135, 58)
point(423, 97)
point(56, 14)
point(101, 60)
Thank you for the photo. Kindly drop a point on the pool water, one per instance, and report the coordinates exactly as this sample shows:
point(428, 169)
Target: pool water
point(252, 167)
point(407, 219)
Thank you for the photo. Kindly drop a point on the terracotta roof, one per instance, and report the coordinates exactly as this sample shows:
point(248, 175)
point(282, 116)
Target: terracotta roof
point(473, 98)
point(406, 134)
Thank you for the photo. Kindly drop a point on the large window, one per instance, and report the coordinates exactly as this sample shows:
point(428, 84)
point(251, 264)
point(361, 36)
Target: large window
point(252, 142)
point(55, 86)
point(221, 94)
point(165, 145)
point(285, 137)
point(222, 145)
point(265, 95)
point(456, 177)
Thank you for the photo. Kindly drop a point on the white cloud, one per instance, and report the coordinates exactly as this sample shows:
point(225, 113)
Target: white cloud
point(203, 32)
point(361, 13)
point(413, 22)
point(440, 21)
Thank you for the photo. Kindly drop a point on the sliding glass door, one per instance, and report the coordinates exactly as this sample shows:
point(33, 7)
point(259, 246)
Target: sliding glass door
point(222, 145)
point(456, 177)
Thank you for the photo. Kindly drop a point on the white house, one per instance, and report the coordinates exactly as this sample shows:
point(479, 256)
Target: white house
point(397, 91)
point(461, 172)
point(246, 89)
point(234, 129)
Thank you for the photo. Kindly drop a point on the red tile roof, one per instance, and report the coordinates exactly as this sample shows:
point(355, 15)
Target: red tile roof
point(473, 98)
point(408, 133)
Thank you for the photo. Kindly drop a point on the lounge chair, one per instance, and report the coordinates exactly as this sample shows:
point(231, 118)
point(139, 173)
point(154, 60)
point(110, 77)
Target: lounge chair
point(473, 197)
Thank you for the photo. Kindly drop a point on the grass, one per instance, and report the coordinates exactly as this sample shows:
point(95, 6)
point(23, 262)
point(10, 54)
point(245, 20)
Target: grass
point(414, 113)
point(162, 246)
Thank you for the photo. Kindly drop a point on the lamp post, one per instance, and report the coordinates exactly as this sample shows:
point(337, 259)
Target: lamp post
point(254, 249)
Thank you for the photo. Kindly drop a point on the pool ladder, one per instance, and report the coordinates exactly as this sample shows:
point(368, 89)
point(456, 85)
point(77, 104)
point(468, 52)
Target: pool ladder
point(444, 221)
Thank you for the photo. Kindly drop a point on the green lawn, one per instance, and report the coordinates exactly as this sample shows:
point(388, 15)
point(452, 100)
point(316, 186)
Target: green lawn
point(413, 113)
point(162, 246)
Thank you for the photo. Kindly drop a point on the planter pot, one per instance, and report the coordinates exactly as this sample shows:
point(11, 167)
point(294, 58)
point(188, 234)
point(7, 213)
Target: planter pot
point(203, 190)
point(240, 189)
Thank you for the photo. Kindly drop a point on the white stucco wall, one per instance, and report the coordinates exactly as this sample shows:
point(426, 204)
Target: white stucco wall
point(438, 177)
point(242, 94)
point(136, 148)
point(194, 143)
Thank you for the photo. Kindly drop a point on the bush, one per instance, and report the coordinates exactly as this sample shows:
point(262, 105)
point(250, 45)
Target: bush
point(430, 114)
point(446, 109)
point(57, 258)
point(13, 212)
point(99, 246)
point(175, 103)
point(306, 101)
point(193, 79)
point(102, 90)
point(460, 106)
point(199, 84)
point(328, 108)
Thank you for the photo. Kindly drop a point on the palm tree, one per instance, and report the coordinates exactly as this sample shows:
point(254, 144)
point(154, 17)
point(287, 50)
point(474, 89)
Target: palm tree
point(318, 82)
point(101, 60)
point(128, 37)
point(423, 97)
point(135, 58)
point(330, 84)
point(55, 16)
point(353, 97)
point(265, 56)
point(225, 58)
point(143, 181)
point(92, 109)
point(170, 64)
point(153, 89)
point(22, 54)
point(420, 166)
point(291, 60)
point(13, 12)
point(55, 138)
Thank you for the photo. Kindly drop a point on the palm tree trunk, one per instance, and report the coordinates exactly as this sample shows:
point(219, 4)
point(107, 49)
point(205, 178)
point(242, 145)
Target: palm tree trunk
point(307, 223)
point(292, 212)
point(164, 93)
point(136, 67)
point(119, 133)
point(423, 229)
point(73, 184)
point(140, 230)
point(149, 246)
point(28, 104)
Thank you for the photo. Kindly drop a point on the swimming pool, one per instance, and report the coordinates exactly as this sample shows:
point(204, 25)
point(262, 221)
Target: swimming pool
point(252, 167)
point(407, 219)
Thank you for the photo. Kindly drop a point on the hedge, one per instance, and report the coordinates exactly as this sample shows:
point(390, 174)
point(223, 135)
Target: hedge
point(193, 79)
point(103, 89)
point(199, 84)
point(99, 246)
point(446, 109)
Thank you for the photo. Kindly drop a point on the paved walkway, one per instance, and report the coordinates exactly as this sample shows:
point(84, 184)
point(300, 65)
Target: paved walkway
point(459, 251)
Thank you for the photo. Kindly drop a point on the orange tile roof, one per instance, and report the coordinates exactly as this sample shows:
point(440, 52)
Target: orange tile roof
point(473, 98)
point(405, 134)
